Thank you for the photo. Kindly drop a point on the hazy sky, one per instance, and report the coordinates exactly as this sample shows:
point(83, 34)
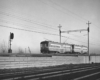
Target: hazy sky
point(44, 16)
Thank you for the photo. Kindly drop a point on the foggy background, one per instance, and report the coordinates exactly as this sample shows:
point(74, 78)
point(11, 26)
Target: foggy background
point(33, 21)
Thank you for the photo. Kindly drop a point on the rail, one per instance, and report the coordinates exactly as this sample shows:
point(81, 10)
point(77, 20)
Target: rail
point(54, 73)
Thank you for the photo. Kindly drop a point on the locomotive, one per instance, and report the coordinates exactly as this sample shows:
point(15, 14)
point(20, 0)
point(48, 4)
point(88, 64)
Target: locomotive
point(66, 48)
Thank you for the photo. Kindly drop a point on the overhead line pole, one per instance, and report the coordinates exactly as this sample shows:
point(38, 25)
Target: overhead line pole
point(88, 39)
point(76, 31)
point(60, 32)
point(80, 30)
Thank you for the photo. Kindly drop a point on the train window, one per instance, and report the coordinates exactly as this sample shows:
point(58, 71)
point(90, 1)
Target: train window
point(44, 45)
point(54, 45)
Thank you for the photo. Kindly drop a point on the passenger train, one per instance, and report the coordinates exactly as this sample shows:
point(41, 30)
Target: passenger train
point(66, 48)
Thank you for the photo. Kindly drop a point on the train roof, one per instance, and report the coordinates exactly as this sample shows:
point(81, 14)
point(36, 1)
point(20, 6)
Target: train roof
point(55, 42)
point(63, 43)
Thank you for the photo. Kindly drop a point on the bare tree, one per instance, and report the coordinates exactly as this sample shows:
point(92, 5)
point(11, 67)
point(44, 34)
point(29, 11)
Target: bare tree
point(20, 51)
point(3, 47)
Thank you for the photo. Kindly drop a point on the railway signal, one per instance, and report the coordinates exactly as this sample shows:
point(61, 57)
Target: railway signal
point(10, 38)
point(11, 35)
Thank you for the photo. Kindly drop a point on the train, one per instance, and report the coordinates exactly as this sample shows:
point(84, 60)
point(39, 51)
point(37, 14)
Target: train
point(47, 47)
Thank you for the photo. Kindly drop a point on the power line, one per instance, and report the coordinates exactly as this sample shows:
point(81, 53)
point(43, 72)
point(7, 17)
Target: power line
point(24, 14)
point(95, 25)
point(17, 24)
point(72, 12)
point(44, 33)
point(74, 39)
point(36, 23)
point(68, 10)
point(40, 32)
point(83, 19)
point(28, 25)
point(27, 30)
point(77, 35)
point(65, 10)
point(62, 36)
point(28, 20)
point(94, 44)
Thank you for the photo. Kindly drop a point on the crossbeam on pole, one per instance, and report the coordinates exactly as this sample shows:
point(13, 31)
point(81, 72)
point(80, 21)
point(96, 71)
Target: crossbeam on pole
point(74, 31)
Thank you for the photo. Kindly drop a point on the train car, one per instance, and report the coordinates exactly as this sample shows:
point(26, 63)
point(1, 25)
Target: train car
point(44, 47)
point(55, 47)
point(80, 49)
point(77, 49)
point(84, 50)
point(67, 48)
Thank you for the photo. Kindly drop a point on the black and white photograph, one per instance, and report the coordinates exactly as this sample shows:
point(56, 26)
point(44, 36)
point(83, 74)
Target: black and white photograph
point(49, 39)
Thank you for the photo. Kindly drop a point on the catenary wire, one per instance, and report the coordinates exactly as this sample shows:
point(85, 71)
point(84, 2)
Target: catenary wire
point(42, 33)
point(83, 19)
point(62, 36)
point(39, 32)
point(23, 18)
point(26, 26)
point(28, 20)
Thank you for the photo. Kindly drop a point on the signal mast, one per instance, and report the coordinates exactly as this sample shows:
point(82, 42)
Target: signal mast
point(10, 39)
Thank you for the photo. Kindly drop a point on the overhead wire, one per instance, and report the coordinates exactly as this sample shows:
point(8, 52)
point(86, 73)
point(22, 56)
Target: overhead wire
point(62, 11)
point(83, 19)
point(25, 26)
point(31, 26)
point(40, 28)
point(28, 20)
point(38, 24)
point(68, 10)
point(26, 30)
point(28, 25)
point(21, 18)
point(65, 13)
point(44, 33)
point(47, 33)
point(39, 32)
point(71, 13)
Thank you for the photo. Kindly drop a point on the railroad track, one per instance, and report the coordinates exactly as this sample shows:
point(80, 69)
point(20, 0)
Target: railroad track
point(73, 72)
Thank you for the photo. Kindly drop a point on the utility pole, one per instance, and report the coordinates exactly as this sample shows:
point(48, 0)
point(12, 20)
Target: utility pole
point(88, 30)
point(60, 32)
point(80, 30)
